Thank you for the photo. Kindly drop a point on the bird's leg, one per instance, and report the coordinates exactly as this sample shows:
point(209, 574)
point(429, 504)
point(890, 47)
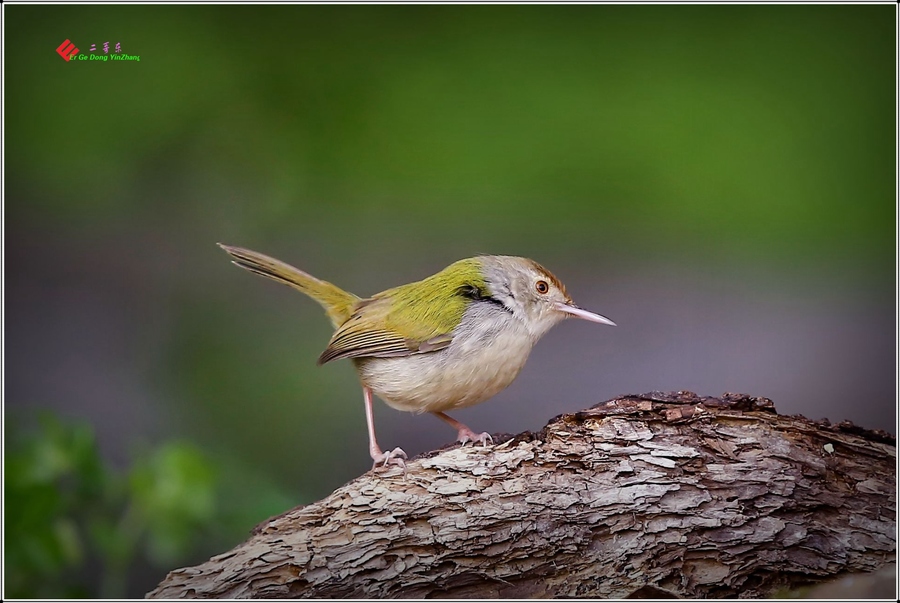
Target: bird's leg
point(396, 455)
point(464, 434)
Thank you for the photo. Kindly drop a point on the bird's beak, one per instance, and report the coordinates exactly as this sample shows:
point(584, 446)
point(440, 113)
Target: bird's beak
point(579, 313)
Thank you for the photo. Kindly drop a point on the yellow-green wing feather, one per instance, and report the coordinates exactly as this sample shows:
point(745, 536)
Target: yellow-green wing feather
point(411, 319)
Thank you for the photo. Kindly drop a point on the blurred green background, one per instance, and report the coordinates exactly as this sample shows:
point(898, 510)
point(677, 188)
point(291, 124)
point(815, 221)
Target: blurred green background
point(719, 180)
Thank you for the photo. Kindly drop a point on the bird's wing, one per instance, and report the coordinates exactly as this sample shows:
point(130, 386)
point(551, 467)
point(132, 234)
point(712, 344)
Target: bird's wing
point(369, 332)
point(411, 319)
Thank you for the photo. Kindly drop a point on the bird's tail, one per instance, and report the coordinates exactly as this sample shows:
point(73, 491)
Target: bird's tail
point(338, 303)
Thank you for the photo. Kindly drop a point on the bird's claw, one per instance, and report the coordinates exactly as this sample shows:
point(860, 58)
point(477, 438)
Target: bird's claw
point(467, 435)
point(392, 457)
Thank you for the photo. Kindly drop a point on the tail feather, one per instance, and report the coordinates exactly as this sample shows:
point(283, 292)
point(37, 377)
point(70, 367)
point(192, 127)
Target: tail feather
point(338, 303)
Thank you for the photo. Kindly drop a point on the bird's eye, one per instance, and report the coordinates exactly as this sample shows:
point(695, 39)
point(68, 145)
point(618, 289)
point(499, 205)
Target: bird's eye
point(542, 287)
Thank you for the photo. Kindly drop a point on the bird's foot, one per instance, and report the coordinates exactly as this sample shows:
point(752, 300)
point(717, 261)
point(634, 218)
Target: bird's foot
point(463, 433)
point(393, 457)
point(467, 435)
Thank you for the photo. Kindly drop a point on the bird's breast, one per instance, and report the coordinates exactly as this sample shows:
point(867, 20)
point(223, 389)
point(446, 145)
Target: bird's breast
point(488, 350)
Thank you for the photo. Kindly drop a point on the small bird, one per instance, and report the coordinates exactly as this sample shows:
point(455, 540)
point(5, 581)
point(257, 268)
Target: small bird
point(449, 341)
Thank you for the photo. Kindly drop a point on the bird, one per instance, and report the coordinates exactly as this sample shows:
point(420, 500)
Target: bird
point(449, 341)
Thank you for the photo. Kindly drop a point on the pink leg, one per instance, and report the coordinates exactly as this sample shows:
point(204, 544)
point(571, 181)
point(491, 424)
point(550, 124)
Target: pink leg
point(464, 434)
point(396, 455)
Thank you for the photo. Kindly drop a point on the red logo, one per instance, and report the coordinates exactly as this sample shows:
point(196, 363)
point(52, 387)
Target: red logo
point(66, 50)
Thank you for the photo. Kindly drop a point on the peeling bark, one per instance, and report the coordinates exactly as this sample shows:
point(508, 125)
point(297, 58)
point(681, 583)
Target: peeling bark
point(659, 493)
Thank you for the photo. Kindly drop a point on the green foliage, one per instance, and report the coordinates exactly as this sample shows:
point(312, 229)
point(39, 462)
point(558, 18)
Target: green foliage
point(173, 492)
point(66, 511)
point(767, 129)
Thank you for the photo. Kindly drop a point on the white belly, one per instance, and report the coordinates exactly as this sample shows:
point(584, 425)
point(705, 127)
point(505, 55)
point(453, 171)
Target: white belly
point(479, 363)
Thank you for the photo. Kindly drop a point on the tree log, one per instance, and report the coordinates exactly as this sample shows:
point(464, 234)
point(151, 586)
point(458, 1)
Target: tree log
point(653, 494)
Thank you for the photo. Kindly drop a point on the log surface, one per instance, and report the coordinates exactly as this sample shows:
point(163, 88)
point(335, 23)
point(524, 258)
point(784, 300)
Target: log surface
point(657, 493)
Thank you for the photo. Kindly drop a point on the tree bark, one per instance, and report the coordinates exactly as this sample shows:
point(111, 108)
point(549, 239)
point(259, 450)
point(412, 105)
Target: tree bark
point(643, 495)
